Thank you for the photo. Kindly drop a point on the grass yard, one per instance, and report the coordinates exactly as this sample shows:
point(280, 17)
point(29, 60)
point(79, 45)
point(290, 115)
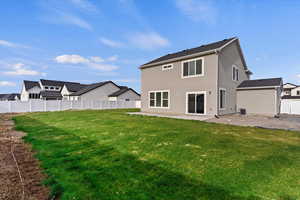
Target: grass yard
point(109, 155)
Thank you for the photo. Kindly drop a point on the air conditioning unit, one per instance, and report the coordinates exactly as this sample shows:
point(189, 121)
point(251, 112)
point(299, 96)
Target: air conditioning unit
point(243, 111)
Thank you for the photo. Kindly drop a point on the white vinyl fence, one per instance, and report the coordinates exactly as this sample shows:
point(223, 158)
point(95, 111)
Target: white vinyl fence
point(57, 105)
point(290, 107)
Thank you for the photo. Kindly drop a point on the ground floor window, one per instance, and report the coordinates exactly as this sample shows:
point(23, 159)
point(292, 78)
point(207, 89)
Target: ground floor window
point(159, 99)
point(222, 96)
point(195, 102)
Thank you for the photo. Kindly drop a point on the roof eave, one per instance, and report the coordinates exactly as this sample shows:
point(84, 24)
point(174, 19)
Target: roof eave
point(212, 51)
point(179, 58)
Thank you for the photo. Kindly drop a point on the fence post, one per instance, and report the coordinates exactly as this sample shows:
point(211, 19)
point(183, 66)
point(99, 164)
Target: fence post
point(45, 105)
point(60, 105)
point(9, 106)
point(30, 105)
point(71, 105)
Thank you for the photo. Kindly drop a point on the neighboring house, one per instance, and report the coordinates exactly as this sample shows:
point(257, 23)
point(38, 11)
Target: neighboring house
point(9, 97)
point(58, 90)
point(197, 81)
point(291, 92)
point(260, 96)
point(124, 94)
point(290, 89)
point(30, 90)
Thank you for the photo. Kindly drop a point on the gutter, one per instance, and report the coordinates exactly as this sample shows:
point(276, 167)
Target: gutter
point(178, 58)
point(254, 88)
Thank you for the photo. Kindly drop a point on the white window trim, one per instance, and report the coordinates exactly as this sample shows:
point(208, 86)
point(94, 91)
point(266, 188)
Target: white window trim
point(186, 102)
point(161, 99)
point(197, 75)
point(165, 69)
point(222, 89)
point(235, 68)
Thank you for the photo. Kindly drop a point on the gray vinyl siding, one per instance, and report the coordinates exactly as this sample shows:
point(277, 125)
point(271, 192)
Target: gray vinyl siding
point(100, 93)
point(154, 79)
point(228, 57)
point(132, 96)
point(259, 101)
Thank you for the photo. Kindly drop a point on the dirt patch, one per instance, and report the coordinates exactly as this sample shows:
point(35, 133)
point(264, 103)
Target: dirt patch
point(20, 174)
point(284, 122)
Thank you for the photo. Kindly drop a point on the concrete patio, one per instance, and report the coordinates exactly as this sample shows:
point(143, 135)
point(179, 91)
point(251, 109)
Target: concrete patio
point(186, 117)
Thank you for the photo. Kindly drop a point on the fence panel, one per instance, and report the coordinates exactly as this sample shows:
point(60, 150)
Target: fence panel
point(18, 106)
point(36, 106)
point(56, 105)
point(290, 107)
point(66, 105)
point(4, 107)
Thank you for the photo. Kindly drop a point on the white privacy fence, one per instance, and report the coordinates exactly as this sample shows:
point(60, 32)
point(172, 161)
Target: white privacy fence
point(290, 107)
point(57, 105)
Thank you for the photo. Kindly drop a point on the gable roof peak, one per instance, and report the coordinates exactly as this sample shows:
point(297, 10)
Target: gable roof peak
point(205, 48)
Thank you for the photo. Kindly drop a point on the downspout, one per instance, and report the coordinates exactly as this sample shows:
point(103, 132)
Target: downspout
point(217, 84)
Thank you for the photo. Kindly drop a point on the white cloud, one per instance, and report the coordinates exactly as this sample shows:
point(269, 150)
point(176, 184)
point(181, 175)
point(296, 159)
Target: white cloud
point(127, 80)
point(149, 40)
point(74, 20)
point(110, 43)
point(73, 59)
point(112, 58)
point(7, 83)
point(298, 75)
point(198, 10)
point(19, 69)
point(84, 5)
point(94, 62)
point(103, 66)
point(97, 59)
point(11, 44)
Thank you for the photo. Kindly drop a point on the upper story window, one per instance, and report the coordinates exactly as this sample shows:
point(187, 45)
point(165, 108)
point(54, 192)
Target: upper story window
point(167, 67)
point(193, 68)
point(34, 96)
point(46, 87)
point(57, 88)
point(298, 92)
point(235, 73)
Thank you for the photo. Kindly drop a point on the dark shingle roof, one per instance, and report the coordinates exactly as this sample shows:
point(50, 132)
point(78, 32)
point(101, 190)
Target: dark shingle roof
point(290, 97)
point(51, 94)
point(187, 52)
point(89, 88)
point(30, 84)
point(74, 87)
point(271, 82)
point(9, 97)
point(122, 90)
point(55, 83)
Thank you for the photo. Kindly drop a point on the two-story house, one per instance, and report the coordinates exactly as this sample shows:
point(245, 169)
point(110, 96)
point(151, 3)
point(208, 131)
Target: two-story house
point(62, 90)
point(201, 81)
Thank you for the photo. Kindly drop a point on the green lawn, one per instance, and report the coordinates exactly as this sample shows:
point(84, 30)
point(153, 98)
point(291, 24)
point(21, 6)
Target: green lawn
point(109, 155)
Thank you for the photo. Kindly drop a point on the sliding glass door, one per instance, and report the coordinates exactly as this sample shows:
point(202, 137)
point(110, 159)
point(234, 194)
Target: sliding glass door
point(196, 103)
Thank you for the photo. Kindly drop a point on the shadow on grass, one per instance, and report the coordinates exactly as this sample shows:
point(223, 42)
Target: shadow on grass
point(80, 168)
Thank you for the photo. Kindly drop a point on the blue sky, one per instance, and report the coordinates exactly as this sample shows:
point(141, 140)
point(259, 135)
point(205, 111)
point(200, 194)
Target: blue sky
point(94, 40)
